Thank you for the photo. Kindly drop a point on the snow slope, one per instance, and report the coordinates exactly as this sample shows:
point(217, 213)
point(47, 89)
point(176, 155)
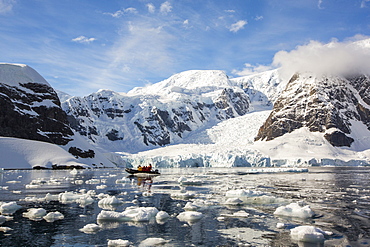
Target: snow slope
point(20, 154)
point(34, 130)
point(13, 74)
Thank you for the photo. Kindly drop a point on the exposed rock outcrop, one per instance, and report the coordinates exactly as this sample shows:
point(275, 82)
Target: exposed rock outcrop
point(30, 110)
point(325, 104)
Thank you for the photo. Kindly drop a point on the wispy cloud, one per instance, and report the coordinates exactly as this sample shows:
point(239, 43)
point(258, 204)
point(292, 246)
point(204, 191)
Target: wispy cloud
point(237, 26)
point(84, 40)
point(319, 4)
point(250, 69)
point(119, 13)
point(166, 7)
point(6, 6)
point(363, 3)
point(258, 18)
point(151, 7)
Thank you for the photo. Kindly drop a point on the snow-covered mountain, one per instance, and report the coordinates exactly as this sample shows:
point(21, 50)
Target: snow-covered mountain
point(30, 110)
point(163, 113)
point(333, 105)
point(204, 118)
point(199, 118)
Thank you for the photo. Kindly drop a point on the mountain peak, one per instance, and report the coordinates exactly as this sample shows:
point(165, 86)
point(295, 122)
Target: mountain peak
point(199, 81)
point(14, 74)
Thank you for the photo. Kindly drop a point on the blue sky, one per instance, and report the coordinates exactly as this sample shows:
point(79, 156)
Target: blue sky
point(80, 46)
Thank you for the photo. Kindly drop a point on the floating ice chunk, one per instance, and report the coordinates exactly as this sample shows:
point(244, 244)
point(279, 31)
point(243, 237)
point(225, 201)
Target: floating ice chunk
point(191, 207)
point(70, 197)
point(101, 187)
point(5, 229)
point(243, 193)
point(136, 214)
point(190, 216)
point(78, 181)
point(49, 197)
point(308, 234)
point(35, 213)
point(239, 214)
point(122, 181)
point(149, 242)
point(9, 208)
point(84, 200)
point(280, 225)
point(90, 228)
point(53, 216)
point(295, 210)
point(4, 218)
point(186, 181)
point(234, 201)
point(185, 196)
point(119, 242)
point(109, 201)
point(162, 215)
point(74, 171)
point(93, 181)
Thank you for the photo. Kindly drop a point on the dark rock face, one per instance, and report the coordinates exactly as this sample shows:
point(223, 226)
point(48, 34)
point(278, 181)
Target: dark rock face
point(32, 111)
point(338, 139)
point(319, 104)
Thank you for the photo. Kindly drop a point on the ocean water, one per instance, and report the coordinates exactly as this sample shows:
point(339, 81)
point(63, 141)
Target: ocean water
point(338, 196)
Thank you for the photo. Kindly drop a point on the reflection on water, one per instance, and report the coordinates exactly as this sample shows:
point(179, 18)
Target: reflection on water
point(340, 198)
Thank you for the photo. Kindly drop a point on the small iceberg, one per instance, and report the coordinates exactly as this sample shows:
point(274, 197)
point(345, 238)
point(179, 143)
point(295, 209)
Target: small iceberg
point(295, 210)
point(308, 234)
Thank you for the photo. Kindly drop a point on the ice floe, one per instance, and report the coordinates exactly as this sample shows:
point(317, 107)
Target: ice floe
point(119, 242)
point(53, 216)
point(309, 234)
point(295, 210)
point(190, 216)
point(149, 242)
point(9, 208)
point(137, 214)
point(90, 228)
point(35, 214)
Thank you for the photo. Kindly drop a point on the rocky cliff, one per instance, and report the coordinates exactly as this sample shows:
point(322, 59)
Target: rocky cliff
point(30, 108)
point(327, 104)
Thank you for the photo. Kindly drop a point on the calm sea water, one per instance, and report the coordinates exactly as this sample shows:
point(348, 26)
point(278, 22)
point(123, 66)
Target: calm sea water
point(339, 196)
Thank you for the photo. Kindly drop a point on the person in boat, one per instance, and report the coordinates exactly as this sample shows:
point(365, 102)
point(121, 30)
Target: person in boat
point(139, 168)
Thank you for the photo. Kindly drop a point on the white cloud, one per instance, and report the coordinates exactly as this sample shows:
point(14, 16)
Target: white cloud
point(341, 58)
point(260, 17)
point(83, 40)
point(230, 11)
point(151, 7)
point(119, 13)
point(237, 26)
point(166, 7)
point(319, 4)
point(6, 6)
point(363, 3)
point(251, 69)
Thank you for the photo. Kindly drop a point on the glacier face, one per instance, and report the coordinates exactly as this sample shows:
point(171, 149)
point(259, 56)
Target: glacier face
point(164, 113)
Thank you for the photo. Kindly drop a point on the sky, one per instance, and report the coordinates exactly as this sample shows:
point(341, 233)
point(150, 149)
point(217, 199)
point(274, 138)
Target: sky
point(82, 46)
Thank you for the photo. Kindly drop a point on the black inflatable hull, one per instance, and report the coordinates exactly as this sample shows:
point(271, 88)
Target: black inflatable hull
point(143, 173)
